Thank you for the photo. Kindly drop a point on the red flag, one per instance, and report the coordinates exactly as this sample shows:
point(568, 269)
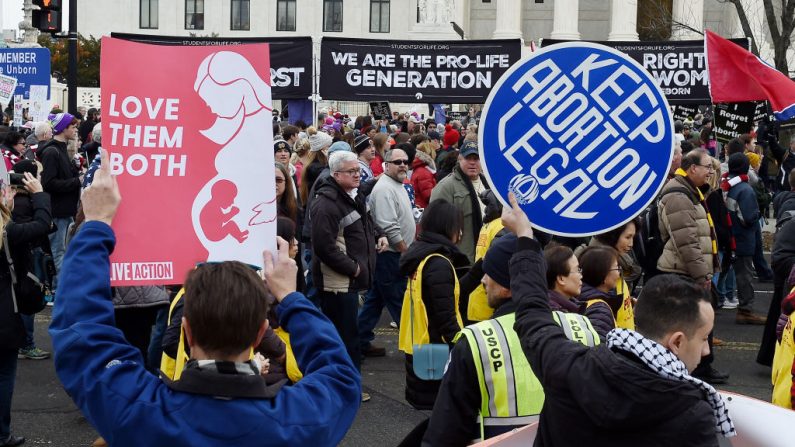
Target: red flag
point(736, 75)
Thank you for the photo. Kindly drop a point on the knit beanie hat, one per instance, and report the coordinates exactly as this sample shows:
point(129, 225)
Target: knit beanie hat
point(280, 146)
point(497, 261)
point(451, 136)
point(319, 140)
point(754, 160)
point(339, 146)
point(738, 164)
point(60, 121)
point(26, 166)
point(361, 143)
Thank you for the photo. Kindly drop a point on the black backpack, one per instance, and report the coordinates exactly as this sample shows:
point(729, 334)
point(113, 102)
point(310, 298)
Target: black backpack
point(652, 240)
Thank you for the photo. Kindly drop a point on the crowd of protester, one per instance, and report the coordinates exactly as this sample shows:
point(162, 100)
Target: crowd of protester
point(396, 214)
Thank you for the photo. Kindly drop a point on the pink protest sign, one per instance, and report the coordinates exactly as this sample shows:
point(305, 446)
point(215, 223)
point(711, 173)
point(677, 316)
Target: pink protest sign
point(189, 133)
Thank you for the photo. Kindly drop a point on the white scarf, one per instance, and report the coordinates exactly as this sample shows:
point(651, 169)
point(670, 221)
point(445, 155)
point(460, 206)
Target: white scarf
point(667, 365)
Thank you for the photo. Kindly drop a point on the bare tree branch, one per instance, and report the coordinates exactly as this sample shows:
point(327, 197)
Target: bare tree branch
point(770, 13)
point(746, 25)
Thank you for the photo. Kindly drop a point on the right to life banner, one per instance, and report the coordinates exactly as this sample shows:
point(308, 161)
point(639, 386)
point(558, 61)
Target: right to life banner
point(189, 134)
point(678, 66)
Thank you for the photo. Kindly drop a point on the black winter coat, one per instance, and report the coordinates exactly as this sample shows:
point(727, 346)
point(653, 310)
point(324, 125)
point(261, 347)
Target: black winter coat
point(343, 239)
point(598, 396)
point(783, 202)
point(20, 236)
point(438, 295)
point(60, 178)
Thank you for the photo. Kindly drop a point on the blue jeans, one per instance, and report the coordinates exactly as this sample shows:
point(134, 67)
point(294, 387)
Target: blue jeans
point(8, 374)
point(341, 308)
point(725, 282)
point(311, 292)
point(388, 289)
point(763, 270)
point(58, 244)
point(156, 340)
point(27, 321)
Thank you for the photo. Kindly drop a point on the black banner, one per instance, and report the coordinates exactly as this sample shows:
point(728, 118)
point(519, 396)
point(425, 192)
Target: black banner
point(381, 110)
point(679, 66)
point(460, 71)
point(290, 58)
point(733, 120)
point(682, 112)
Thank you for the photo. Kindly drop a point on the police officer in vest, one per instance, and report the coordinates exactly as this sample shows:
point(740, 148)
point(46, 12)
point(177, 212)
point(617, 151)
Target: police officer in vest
point(489, 387)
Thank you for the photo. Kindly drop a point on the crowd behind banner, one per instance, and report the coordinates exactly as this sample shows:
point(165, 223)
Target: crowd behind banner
point(394, 213)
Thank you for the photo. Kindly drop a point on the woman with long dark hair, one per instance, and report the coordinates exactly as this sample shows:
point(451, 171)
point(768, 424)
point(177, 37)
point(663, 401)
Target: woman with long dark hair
point(433, 292)
point(18, 236)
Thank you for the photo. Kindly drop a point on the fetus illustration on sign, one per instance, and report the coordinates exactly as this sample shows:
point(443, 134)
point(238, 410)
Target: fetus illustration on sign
point(231, 212)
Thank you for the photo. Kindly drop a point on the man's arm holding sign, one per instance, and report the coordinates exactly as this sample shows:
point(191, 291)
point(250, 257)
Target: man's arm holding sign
point(92, 358)
point(547, 349)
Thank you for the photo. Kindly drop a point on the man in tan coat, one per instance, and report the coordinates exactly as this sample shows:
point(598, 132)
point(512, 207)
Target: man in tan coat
point(691, 247)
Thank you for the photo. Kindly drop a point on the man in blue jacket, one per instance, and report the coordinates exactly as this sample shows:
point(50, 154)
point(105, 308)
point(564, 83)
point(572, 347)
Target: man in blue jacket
point(221, 398)
point(744, 211)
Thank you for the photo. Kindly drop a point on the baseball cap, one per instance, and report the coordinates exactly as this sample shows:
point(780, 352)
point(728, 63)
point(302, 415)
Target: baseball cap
point(469, 148)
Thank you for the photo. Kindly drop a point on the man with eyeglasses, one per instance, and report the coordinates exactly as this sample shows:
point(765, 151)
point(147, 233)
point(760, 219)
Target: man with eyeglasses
point(344, 244)
point(691, 246)
point(462, 188)
point(391, 210)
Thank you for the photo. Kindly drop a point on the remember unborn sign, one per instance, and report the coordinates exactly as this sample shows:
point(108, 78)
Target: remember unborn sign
point(581, 134)
point(190, 145)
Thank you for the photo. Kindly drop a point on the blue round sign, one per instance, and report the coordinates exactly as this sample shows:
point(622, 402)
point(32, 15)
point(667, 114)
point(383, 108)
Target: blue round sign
point(581, 134)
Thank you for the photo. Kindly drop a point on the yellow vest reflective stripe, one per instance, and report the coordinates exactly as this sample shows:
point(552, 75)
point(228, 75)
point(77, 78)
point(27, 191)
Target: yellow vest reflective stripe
point(577, 328)
point(420, 318)
point(511, 394)
point(782, 367)
point(478, 308)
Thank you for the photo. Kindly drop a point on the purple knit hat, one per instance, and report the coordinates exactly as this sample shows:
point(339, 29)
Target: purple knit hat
point(60, 121)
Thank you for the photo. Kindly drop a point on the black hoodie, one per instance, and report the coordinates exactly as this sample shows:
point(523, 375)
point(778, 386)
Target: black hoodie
point(598, 396)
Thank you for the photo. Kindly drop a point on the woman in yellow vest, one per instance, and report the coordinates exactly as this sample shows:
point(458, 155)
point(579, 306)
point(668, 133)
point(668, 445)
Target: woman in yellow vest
point(783, 393)
point(564, 281)
point(622, 240)
point(600, 274)
point(432, 293)
point(473, 299)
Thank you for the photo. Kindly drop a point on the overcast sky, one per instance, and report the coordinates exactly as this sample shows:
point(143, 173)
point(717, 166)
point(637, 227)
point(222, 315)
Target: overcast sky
point(12, 14)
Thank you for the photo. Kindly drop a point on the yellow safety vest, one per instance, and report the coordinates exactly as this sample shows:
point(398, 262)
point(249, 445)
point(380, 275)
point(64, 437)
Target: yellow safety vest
point(625, 317)
point(511, 395)
point(782, 367)
point(478, 307)
point(172, 367)
point(420, 317)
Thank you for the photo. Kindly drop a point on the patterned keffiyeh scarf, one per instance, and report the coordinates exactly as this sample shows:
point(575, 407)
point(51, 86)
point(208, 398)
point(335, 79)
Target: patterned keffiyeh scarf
point(667, 365)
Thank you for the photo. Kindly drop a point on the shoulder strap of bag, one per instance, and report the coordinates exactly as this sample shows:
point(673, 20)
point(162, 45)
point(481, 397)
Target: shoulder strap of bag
point(411, 289)
point(11, 270)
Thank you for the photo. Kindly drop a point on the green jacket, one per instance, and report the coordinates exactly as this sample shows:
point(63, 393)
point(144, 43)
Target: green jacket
point(458, 190)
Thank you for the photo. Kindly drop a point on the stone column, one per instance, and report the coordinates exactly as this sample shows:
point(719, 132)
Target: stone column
point(565, 20)
point(690, 13)
point(508, 20)
point(30, 33)
point(623, 20)
point(435, 18)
